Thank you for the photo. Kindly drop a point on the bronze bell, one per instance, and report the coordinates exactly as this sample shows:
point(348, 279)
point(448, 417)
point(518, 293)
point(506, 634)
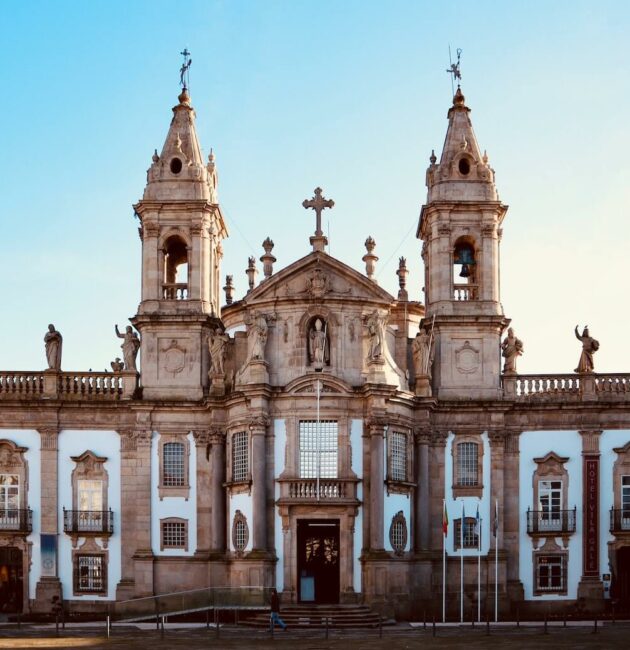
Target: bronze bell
point(465, 272)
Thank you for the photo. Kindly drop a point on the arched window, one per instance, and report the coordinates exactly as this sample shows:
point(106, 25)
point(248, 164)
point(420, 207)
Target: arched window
point(464, 270)
point(175, 285)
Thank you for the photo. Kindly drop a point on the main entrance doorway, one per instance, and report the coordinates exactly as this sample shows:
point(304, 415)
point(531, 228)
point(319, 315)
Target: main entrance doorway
point(318, 560)
point(621, 586)
point(11, 579)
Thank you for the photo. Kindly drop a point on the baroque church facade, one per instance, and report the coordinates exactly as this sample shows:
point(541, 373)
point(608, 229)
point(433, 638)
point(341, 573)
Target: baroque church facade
point(313, 434)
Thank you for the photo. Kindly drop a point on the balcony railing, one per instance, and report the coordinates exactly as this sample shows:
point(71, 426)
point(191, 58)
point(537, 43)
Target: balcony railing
point(21, 385)
point(567, 387)
point(620, 520)
point(307, 489)
point(105, 385)
point(465, 292)
point(16, 520)
point(550, 522)
point(86, 522)
point(175, 291)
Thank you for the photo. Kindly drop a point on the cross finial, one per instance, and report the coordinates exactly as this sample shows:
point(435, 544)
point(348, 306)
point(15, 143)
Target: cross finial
point(318, 203)
point(183, 71)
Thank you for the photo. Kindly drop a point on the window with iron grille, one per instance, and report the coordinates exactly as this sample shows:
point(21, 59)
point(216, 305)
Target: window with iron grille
point(240, 531)
point(550, 573)
point(398, 533)
point(319, 446)
point(90, 573)
point(240, 457)
point(173, 470)
point(625, 496)
point(471, 536)
point(467, 464)
point(397, 456)
point(174, 534)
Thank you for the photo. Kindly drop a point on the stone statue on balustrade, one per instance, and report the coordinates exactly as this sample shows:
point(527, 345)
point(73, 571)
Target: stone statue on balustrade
point(130, 347)
point(375, 324)
point(217, 344)
point(423, 353)
point(318, 344)
point(259, 332)
point(53, 342)
point(117, 365)
point(511, 349)
point(589, 347)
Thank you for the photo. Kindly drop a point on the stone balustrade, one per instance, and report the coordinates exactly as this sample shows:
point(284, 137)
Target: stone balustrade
point(566, 387)
point(307, 489)
point(465, 292)
point(21, 385)
point(175, 291)
point(53, 384)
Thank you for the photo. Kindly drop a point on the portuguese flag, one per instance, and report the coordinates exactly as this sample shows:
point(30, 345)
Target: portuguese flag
point(444, 520)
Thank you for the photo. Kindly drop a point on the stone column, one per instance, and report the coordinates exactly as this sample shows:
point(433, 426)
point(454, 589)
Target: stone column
point(217, 498)
point(509, 518)
point(422, 523)
point(204, 491)
point(436, 488)
point(126, 586)
point(590, 585)
point(257, 429)
point(151, 268)
point(377, 481)
point(49, 584)
point(497, 485)
point(143, 555)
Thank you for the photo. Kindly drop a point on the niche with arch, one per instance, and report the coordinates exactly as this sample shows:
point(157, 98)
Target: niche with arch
point(175, 284)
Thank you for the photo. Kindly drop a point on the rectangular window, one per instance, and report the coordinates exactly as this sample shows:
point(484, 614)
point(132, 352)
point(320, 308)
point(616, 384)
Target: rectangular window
point(90, 495)
point(397, 456)
point(9, 491)
point(90, 576)
point(625, 497)
point(471, 534)
point(319, 447)
point(550, 505)
point(550, 573)
point(173, 470)
point(467, 468)
point(240, 457)
point(174, 534)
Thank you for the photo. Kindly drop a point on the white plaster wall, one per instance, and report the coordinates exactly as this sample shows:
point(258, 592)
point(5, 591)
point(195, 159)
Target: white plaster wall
point(608, 441)
point(30, 439)
point(535, 444)
point(101, 443)
point(454, 506)
point(279, 455)
point(356, 446)
point(173, 506)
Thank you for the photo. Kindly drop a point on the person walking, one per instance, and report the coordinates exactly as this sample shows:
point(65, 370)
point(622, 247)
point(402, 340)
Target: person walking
point(275, 612)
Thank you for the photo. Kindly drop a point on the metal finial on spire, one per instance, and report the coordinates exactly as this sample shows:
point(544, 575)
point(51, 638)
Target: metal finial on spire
point(183, 71)
point(454, 69)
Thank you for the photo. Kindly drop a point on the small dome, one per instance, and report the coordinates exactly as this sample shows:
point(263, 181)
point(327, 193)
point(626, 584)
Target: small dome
point(459, 99)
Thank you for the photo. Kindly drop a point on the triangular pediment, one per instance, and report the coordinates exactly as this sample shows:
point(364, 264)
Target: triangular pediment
point(317, 277)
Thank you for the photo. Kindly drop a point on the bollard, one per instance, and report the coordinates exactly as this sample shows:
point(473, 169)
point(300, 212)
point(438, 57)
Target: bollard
point(487, 625)
point(518, 617)
point(595, 626)
point(545, 631)
point(108, 626)
point(326, 625)
point(162, 627)
point(433, 625)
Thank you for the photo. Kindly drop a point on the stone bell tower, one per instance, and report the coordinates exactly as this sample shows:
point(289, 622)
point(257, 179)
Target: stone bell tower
point(181, 230)
point(460, 227)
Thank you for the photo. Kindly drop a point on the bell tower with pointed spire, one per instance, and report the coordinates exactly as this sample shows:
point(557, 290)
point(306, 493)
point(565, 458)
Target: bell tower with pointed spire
point(182, 228)
point(460, 227)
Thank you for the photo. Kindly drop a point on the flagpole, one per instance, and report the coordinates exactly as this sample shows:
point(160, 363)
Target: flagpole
point(496, 561)
point(443, 562)
point(479, 575)
point(461, 564)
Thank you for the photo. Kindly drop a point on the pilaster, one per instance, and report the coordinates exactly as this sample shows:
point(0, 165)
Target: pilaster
point(511, 513)
point(422, 519)
point(126, 586)
point(258, 429)
point(377, 483)
point(143, 553)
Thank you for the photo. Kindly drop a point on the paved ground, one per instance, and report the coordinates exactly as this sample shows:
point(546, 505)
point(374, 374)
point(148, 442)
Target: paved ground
point(399, 637)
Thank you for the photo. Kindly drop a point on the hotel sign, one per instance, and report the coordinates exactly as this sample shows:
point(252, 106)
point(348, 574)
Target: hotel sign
point(591, 517)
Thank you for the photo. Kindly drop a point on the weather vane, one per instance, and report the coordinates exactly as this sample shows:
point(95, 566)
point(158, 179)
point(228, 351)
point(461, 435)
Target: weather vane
point(454, 70)
point(183, 71)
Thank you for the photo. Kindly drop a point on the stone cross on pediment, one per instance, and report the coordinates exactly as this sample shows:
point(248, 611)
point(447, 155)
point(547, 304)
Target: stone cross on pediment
point(318, 203)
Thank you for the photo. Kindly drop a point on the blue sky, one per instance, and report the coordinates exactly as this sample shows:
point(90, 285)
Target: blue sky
point(351, 96)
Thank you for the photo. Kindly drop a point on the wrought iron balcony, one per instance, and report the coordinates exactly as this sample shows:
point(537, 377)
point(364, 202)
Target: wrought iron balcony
point(88, 522)
point(620, 520)
point(16, 520)
point(551, 522)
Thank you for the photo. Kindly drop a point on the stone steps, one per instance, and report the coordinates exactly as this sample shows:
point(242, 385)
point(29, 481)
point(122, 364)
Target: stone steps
point(314, 616)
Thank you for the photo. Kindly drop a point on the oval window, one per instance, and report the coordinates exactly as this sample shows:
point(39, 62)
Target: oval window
point(464, 167)
point(176, 165)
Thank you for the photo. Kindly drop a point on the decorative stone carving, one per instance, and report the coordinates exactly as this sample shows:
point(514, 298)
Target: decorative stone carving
point(129, 347)
point(268, 259)
point(375, 324)
point(402, 274)
point(370, 258)
point(53, 342)
point(217, 342)
point(398, 534)
point(251, 272)
point(318, 284)
point(229, 289)
point(174, 357)
point(511, 349)
point(589, 347)
point(422, 354)
point(467, 359)
point(318, 347)
point(259, 332)
point(117, 365)
point(351, 330)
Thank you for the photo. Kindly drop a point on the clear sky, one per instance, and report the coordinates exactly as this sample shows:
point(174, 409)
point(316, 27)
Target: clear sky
point(348, 95)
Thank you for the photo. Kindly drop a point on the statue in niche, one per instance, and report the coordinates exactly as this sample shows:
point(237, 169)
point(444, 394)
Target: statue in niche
point(217, 342)
point(129, 346)
point(259, 331)
point(53, 341)
point(318, 349)
point(511, 349)
point(422, 351)
point(589, 347)
point(376, 334)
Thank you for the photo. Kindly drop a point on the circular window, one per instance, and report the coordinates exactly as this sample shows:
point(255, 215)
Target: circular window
point(240, 532)
point(398, 533)
point(176, 165)
point(464, 167)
